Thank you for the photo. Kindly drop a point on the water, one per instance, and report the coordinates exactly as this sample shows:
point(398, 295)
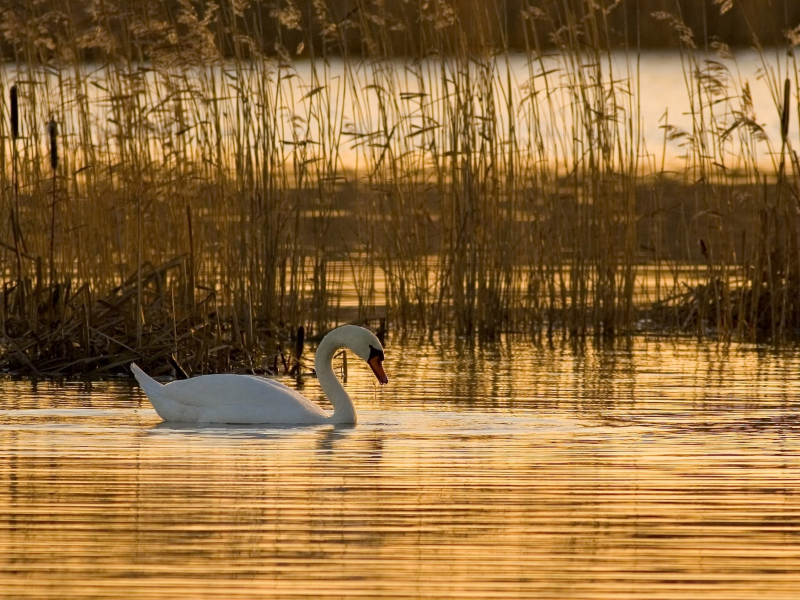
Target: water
point(650, 469)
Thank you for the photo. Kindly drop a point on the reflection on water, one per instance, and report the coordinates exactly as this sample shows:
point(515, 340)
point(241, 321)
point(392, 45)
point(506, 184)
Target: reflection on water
point(649, 469)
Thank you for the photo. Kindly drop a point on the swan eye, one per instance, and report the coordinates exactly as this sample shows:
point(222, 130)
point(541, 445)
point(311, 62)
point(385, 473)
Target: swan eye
point(374, 352)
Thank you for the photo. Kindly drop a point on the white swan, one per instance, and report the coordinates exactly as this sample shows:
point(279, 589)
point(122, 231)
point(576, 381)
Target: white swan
point(250, 399)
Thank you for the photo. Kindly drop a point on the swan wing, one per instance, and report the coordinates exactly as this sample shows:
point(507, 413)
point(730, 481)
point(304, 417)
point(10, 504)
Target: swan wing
point(242, 399)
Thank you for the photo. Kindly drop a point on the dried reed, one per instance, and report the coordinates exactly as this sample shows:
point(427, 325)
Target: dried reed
point(404, 158)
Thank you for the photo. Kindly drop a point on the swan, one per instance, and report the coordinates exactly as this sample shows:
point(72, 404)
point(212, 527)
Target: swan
point(246, 399)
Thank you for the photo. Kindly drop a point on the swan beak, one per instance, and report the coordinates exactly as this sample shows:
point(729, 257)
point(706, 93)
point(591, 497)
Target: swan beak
point(377, 367)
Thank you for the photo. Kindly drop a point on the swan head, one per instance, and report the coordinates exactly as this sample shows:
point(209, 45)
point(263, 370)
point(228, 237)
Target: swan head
point(366, 346)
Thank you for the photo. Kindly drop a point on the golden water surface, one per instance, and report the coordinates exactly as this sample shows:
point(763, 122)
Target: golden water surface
point(650, 469)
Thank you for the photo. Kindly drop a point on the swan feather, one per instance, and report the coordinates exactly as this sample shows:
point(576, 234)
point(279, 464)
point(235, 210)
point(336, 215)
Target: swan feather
point(245, 399)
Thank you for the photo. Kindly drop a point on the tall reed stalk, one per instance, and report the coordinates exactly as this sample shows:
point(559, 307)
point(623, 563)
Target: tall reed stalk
point(290, 158)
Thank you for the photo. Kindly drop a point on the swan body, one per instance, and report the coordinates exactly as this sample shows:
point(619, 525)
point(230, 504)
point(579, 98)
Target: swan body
point(249, 399)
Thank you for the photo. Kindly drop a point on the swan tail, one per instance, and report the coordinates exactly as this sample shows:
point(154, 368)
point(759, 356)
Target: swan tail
point(150, 386)
point(167, 408)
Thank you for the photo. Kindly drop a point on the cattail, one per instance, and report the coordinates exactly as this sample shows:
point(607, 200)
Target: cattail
point(14, 113)
point(300, 341)
point(787, 91)
point(52, 128)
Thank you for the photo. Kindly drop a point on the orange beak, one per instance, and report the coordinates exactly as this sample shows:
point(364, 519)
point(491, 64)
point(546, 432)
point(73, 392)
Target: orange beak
point(376, 364)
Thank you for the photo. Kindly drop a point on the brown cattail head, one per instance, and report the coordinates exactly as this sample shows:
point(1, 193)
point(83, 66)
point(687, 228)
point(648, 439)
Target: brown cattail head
point(52, 128)
point(300, 341)
point(787, 96)
point(14, 113)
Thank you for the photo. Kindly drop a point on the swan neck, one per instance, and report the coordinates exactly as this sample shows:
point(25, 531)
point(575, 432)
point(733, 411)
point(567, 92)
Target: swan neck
point(343, 409)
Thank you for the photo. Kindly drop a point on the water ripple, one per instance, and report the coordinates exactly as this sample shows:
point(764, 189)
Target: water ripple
point(658, 469)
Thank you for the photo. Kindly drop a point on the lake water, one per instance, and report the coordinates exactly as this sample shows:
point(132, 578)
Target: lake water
point(646, 469)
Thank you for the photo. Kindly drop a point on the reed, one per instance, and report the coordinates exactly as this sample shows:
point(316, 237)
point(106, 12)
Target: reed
point(745, 248)
point(278, 163)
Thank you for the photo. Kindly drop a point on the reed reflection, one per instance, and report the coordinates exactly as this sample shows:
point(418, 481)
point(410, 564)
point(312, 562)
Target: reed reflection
point(598, 469)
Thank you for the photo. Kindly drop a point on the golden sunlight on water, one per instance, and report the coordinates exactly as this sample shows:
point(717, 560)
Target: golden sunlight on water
point(655, 469)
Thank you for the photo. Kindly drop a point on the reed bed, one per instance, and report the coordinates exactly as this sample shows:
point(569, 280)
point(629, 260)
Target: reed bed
point(271, 166)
